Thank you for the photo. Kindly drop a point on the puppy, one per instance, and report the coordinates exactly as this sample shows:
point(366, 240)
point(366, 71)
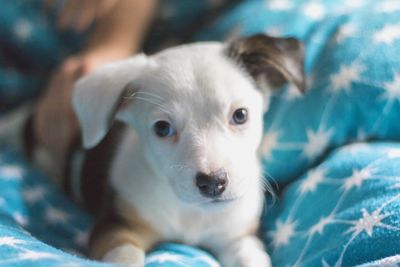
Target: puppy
point(171, 147)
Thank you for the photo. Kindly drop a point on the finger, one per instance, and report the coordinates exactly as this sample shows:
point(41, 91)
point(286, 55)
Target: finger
point(104, 7)
point(70, 124)
point(71, 71)
point(54, 108)
point(69, 65)
point(46, 113)
point(59, 117)
point(87, 15)
point(69, 14)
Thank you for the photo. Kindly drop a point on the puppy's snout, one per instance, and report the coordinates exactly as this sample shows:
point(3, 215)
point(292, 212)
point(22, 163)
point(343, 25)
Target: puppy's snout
point(212, 185)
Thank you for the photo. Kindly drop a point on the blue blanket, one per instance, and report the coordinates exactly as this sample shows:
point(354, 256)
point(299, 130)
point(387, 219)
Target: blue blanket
point(343, 212)
point(338, 203)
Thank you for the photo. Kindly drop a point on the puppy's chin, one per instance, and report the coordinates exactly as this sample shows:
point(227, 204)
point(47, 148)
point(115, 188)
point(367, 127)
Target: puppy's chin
point(207, 204)
point(218, 203)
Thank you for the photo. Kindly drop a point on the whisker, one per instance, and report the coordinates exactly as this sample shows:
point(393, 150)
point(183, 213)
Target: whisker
point(150, 94)
point(135, 95)
point(267, 175)
point(181, 166)
point(152, 102)
point(267, 187)
point(148, 100)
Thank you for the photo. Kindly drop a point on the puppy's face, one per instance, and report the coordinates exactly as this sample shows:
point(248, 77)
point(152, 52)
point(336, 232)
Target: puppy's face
point(199, 118)
point(198, 112)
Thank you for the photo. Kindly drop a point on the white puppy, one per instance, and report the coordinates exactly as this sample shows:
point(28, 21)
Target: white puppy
point(183, 164)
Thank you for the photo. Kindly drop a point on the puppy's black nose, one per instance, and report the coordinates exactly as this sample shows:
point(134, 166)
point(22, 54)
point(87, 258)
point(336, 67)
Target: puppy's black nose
point(212, 185)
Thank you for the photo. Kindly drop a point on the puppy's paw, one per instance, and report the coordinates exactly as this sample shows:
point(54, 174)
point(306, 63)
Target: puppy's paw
point(246, 252)
point(126, 255)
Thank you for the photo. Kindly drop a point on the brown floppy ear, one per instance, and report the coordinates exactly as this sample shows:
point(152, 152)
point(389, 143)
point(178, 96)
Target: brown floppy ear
point(277, 60)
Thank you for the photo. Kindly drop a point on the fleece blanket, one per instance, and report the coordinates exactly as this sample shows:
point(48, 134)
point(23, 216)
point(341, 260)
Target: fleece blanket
point(338, 204)
point(343, 212)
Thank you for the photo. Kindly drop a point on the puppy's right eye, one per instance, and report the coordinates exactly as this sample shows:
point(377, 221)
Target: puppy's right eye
point(239, 116)
point(163, 129)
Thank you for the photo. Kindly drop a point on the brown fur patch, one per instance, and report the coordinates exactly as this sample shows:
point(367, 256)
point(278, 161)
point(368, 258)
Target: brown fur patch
point(119, 226)
point(279, 59)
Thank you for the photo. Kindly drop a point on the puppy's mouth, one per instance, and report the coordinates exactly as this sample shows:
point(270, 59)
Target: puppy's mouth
point(217, 201)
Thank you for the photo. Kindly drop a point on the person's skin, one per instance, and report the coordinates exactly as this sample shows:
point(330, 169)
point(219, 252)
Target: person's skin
point(119, 29)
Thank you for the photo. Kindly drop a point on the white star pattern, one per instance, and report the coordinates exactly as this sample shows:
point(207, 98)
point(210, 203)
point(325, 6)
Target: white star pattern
point(11, 173)
point(397, 184)
point(164, 257)
point(345, 31)
point(314, 10)
point(355, 3)
point(54, 215)
point(317, 142)
point(347, 74)
point(269, 142)
point(11, 241)
point(356, 148)
point(394, 153)
point(279, 5)
point(392, 89)
point(324, 263)
point(388, 6)
point(392, 261)
point(313, 179)
point(388, 34)
point(368, 221)
point(35, 255)
point(20, 219)
point(23, 30)
point(283, 234)
point(357, 179)
point(320, 226)
point(34, 194)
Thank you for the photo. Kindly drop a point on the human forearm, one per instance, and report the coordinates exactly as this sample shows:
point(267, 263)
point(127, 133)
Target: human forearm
point(123, 28)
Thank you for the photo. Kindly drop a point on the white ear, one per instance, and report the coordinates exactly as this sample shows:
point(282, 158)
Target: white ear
point(97, 95)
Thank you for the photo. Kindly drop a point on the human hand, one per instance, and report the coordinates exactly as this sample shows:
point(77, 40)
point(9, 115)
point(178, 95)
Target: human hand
point(55, 124)
point(118, 33)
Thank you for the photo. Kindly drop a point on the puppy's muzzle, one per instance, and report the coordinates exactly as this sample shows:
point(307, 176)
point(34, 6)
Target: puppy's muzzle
point(212, 185)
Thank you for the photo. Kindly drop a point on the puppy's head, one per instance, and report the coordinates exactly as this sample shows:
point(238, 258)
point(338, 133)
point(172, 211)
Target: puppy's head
point(197, 110)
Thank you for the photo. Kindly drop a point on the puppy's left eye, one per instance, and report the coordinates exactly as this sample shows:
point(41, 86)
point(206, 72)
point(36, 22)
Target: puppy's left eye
point(239, 116)
point(163, 129)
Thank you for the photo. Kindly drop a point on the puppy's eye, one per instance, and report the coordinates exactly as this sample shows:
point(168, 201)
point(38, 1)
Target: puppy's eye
point(239, 116)
point(163, 129)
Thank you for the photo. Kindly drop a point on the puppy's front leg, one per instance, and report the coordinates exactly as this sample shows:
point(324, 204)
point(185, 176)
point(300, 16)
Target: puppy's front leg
point(115, 240)
point(247, 251)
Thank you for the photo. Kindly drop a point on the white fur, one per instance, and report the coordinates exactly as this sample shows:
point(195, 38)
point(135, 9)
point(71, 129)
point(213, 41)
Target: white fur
point(196, 88)
point(126, 255)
